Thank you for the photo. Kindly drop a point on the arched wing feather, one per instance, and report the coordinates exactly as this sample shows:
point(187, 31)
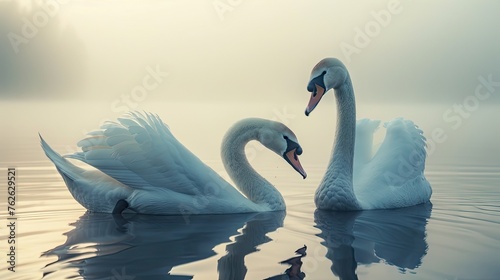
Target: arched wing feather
point(400, 158)
point(140, 151)
point(363, 147)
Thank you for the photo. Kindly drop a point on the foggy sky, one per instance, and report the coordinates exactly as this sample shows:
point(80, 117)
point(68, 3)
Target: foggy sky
point(254, 51)
point(39, 57)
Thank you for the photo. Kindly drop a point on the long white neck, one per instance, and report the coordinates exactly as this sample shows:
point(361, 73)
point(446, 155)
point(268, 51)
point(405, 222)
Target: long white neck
point(336, 189)
point(343, 151)
point(248, 181)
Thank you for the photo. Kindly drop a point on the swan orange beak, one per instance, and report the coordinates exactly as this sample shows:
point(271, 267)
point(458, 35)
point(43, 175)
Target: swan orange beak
point(316, 96)
point(292, 158)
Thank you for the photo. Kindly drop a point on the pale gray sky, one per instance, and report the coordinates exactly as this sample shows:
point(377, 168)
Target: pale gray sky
point(242, 51)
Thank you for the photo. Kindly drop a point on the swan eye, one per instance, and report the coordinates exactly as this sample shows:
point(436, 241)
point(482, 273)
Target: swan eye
point(285, 137)
point(318, 81)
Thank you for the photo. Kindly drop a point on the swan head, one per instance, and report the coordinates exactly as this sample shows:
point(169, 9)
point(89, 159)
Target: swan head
point(280, 139)
point(327, 74)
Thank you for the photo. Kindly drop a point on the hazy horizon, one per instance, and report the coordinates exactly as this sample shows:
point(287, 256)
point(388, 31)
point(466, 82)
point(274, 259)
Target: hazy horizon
point(396, 51)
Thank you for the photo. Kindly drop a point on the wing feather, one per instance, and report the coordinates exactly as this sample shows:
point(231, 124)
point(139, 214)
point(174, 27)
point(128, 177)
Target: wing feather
point(140, 151)
point(363, 147)
point(401, 156)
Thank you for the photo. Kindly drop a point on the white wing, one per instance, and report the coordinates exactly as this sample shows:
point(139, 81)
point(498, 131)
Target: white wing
point(395, 173)
point(141, 152)
point(402, 152)
point(363, 144)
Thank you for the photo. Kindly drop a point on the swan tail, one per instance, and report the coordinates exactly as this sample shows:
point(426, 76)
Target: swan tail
point(79, 156)
point(68, 171)
point(92, 189)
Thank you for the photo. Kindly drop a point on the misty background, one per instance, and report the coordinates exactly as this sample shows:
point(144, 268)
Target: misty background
point(202, 65)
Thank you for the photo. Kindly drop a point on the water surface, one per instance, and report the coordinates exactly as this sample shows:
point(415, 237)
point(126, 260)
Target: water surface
point(454, 237)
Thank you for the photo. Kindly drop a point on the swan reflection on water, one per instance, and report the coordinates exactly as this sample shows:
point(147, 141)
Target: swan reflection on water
point(293, 272)
point(396, 237)
point(103, 246)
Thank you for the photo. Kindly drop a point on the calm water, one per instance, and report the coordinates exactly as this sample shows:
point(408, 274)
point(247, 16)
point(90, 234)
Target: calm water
point(455, 237)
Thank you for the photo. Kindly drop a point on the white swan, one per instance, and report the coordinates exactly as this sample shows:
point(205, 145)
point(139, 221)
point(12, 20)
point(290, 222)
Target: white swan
point(141, 166)
point(391, 178)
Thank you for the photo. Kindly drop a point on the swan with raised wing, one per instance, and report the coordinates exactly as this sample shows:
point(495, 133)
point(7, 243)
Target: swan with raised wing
point(141, 166)
point(356, 178)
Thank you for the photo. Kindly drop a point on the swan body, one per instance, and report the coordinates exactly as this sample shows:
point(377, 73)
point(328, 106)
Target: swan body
point(139, 165)
point(357, 178)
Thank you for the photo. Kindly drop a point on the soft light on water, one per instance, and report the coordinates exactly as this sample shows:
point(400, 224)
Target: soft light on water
point(455, 237)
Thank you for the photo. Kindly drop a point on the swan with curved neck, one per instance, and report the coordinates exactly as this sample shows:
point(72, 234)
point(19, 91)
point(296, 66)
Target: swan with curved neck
point(141, 166)
point(391, 178)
